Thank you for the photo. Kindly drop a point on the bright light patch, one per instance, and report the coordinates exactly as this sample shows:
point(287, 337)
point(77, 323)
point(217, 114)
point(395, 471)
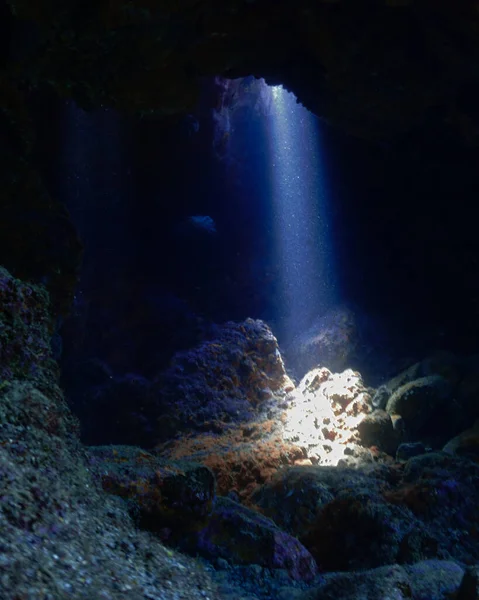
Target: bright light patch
point(324, 413)
point(301, 214)
point(276, 90)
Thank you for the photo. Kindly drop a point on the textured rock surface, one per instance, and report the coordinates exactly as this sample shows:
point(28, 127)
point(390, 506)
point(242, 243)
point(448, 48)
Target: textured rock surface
point(242, 536)
point(423, 509)
point(61, 535)
point(427, 579)
point(423, 403)
point(231, 379)
point(376, 429)
point(330, 342)
point(165, 493)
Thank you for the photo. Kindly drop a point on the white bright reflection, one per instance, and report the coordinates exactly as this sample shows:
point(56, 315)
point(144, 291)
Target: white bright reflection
point(325, 411)
point(301, 219)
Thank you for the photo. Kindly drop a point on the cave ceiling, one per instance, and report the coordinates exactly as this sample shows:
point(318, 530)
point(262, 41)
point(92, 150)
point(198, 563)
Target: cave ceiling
point(374, 68)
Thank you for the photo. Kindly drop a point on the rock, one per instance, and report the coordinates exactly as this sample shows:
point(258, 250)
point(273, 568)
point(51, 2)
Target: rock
point(62, 536)
point(23, 406)
point(422, 403)
point(323, 415)
point(244, 537)
point(465, 444)
point(384, 392)
point(410, 374)
point(444, 364)
point(408, 450)
point(221, 382)
point(469, 589)
point(335, 511)
point(295, 495)
point(431, 580)
point(441, 490)
point(376, 429)
point(423, 509)
point(240, 458)
point(468, 393)
point(381, 397)
point(329, 343)
point(370, 72)
point(165, 494)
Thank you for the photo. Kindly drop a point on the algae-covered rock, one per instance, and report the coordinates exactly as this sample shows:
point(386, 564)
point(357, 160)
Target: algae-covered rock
point(61, 535)
point(376, 429)
point(469, 589)
point(465, 444)
point(422, 403)
point(431, 579)
point(229, 379)
point(166, 493)
point(25, 331)
point(243, 536)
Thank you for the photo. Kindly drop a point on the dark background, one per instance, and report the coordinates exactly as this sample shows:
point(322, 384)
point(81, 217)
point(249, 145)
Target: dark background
point(404, 224)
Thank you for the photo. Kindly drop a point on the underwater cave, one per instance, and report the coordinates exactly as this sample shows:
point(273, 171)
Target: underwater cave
point(239, 300)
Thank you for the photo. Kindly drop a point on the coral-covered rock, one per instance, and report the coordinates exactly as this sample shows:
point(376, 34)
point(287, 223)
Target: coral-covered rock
point(376, 429)
point(61, 535)
point(180, 494)
point(241, 459)
point(424, 404)
point(25, 332)
point(242, 536)
point(409, 450)
point(431, 579)
point(24, 405)
point(230, 379)
point(323, 414)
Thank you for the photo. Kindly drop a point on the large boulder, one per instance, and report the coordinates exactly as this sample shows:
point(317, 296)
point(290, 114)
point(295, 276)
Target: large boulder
point(431, 579)
point(224, 381)
point(243, 536)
